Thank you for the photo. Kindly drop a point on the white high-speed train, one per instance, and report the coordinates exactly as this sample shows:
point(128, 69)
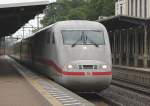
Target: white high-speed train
point(74, 53)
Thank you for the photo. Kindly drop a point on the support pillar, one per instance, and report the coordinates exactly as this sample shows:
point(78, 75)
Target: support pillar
point(120, 48)
point(127, 49)
point(145, 57)
point(136, 49)
point(114, 54)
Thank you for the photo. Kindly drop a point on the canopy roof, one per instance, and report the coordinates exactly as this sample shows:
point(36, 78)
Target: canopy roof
point(123, 22)
point(15, 15)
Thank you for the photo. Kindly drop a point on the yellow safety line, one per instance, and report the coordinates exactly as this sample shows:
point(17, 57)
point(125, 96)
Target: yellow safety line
point(49, 97)
point(53, 101)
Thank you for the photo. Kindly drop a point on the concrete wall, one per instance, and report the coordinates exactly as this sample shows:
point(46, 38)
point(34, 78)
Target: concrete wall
point(124, 5)
point(137, 8)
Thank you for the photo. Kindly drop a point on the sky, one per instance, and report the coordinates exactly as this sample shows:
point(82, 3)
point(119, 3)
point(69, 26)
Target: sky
point(32, 23)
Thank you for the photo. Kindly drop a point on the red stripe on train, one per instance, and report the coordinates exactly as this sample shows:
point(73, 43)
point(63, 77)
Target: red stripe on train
point(74, 73)
point(59, 70)
point(102, 73)
point(51, 63)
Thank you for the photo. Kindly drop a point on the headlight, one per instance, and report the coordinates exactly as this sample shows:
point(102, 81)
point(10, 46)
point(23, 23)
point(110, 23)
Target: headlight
point(104, 66)
point(69, 66)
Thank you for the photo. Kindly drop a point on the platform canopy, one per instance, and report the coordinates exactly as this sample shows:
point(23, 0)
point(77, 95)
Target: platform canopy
point(13, 14)
point(123, 22)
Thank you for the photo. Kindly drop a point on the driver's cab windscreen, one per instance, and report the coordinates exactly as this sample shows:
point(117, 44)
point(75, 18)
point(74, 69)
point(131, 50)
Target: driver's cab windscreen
point(83, 37)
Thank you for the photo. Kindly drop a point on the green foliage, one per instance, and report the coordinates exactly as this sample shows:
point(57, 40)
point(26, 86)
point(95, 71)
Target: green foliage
point(77, 14)
point(78, 10)
point(101, 8)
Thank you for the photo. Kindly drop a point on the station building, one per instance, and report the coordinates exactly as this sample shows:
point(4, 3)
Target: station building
point(129, 33)
point(136, 8)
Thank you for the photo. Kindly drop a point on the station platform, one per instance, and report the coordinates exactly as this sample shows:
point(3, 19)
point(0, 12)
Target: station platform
point(15, 90)
point(20, 86)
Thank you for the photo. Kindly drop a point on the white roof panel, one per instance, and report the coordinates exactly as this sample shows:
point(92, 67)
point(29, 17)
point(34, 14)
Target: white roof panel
point(20, 3)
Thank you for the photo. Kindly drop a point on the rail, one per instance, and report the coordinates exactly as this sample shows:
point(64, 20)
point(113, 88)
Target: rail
point(139, 76)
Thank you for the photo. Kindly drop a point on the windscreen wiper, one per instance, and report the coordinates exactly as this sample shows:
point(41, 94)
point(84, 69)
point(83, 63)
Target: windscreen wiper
point(73, 45)
point(92, 42)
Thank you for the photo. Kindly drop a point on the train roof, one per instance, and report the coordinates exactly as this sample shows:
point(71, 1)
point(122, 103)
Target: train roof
point(40, 30)
point(63, 24)
point(78, 24)
point(73, 24)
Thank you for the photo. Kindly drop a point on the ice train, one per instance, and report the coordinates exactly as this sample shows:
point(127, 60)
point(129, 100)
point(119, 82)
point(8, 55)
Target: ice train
point(75, 54)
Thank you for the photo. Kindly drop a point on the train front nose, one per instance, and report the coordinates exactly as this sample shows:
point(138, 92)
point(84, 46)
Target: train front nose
point(87, 83)
point(87, 76)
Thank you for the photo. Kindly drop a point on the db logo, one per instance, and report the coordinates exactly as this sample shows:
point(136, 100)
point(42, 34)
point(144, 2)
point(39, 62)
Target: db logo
point(88, 73)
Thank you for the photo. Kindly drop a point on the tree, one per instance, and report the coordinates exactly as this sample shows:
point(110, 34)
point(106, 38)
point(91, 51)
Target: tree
point(100, 8)
point(77, 14)
point(108, 7)
point(78, 10)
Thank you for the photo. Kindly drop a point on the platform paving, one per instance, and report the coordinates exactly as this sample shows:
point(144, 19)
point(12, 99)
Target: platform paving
point(15, 90)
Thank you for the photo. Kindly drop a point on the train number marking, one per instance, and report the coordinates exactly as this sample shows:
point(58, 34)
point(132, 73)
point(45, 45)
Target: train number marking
point(88, 73)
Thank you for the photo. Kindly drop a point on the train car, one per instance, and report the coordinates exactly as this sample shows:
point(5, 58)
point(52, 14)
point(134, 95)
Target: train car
point(75, 54)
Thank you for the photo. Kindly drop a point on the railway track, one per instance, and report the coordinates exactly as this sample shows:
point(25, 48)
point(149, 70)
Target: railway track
point(130, 87)
point(139, 76)
point(95, 99)
point(135, 79)
point(120, 96)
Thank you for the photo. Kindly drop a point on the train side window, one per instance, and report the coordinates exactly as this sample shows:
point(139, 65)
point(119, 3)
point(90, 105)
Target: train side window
point(53, 38)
